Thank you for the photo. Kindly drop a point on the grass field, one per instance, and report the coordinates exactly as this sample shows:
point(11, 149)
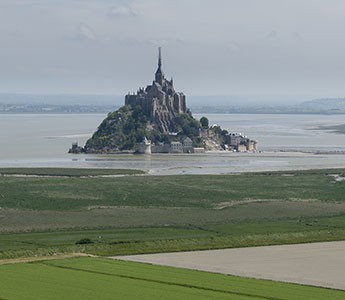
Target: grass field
point(70, 172)
point(145, 214)
point(95, 278)
point(203, 191)
point(124, 241)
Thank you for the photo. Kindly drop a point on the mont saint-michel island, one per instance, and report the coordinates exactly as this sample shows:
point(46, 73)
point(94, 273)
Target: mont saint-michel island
point(156, 119)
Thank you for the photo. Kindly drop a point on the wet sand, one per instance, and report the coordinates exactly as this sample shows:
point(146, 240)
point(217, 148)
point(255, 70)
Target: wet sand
point(288, 142)
point(319, 264)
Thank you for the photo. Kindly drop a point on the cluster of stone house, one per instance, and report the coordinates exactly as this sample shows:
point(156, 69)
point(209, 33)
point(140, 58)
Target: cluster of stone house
point(240, 143)
point(186, 146)
point(233, 142)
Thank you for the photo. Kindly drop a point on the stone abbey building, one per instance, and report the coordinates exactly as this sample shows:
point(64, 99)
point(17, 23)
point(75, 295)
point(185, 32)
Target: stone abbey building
point(159, 101)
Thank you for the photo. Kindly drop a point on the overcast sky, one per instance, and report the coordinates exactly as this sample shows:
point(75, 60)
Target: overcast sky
point(210, 47)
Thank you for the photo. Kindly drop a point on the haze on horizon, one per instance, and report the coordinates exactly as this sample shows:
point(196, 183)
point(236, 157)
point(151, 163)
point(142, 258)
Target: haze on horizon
point(222, 47)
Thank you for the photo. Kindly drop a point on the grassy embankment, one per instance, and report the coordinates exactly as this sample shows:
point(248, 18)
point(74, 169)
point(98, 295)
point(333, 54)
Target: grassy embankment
point(96, 278)
point(143, 214)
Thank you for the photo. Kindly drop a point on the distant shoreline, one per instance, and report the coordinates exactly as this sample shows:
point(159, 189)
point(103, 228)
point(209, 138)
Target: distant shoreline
point(193, 111)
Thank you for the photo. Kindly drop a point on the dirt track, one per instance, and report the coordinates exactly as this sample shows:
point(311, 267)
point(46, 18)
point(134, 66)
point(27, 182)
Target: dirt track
point(320, 264)
point(38, 258)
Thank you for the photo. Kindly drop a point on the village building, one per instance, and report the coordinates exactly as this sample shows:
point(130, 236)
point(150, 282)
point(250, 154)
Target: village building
point(241, 148)
point(187, 145)
point(233, 140)
point(252, 145)
point(160, 148)
point(176, 147)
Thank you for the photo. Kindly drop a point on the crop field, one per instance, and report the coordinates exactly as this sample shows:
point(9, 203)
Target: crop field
point(97, 278)
point(147, 214)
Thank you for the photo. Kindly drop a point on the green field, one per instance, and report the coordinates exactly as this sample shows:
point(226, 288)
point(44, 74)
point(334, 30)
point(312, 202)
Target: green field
point(95, 278)
point(166, 239)
point(203, 191)
point(69, 172)
point(144, 214)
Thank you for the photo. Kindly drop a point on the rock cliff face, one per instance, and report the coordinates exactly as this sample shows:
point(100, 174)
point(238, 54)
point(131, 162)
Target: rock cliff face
point(159, 101)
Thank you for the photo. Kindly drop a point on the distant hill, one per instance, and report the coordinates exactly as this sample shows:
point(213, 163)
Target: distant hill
point(325, 104)
point(61, 99)
point(74, 103)
point(316, 106)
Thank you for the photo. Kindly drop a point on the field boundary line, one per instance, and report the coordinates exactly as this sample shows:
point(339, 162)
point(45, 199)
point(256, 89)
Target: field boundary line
point(164, 282)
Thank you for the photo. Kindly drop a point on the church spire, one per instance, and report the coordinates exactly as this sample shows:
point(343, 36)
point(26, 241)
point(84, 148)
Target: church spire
point(159, 57)
point(159, 76)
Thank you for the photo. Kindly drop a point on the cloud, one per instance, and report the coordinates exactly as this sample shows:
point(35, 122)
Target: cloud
point(121, 11)
point(265, 44)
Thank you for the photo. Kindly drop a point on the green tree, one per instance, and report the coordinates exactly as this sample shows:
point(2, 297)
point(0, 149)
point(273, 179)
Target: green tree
point(204, 122)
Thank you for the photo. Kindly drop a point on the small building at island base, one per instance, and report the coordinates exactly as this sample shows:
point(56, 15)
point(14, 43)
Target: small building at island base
point(76, 149)
point(145, 147)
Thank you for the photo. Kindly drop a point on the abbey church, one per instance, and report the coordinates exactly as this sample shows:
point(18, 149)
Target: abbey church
point(159, 101)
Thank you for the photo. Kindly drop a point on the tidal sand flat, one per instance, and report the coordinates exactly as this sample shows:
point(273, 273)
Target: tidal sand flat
point(42, 140)
point(319, 264)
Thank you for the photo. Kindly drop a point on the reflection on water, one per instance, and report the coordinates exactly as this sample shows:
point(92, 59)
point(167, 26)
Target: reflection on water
point(43, 140)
